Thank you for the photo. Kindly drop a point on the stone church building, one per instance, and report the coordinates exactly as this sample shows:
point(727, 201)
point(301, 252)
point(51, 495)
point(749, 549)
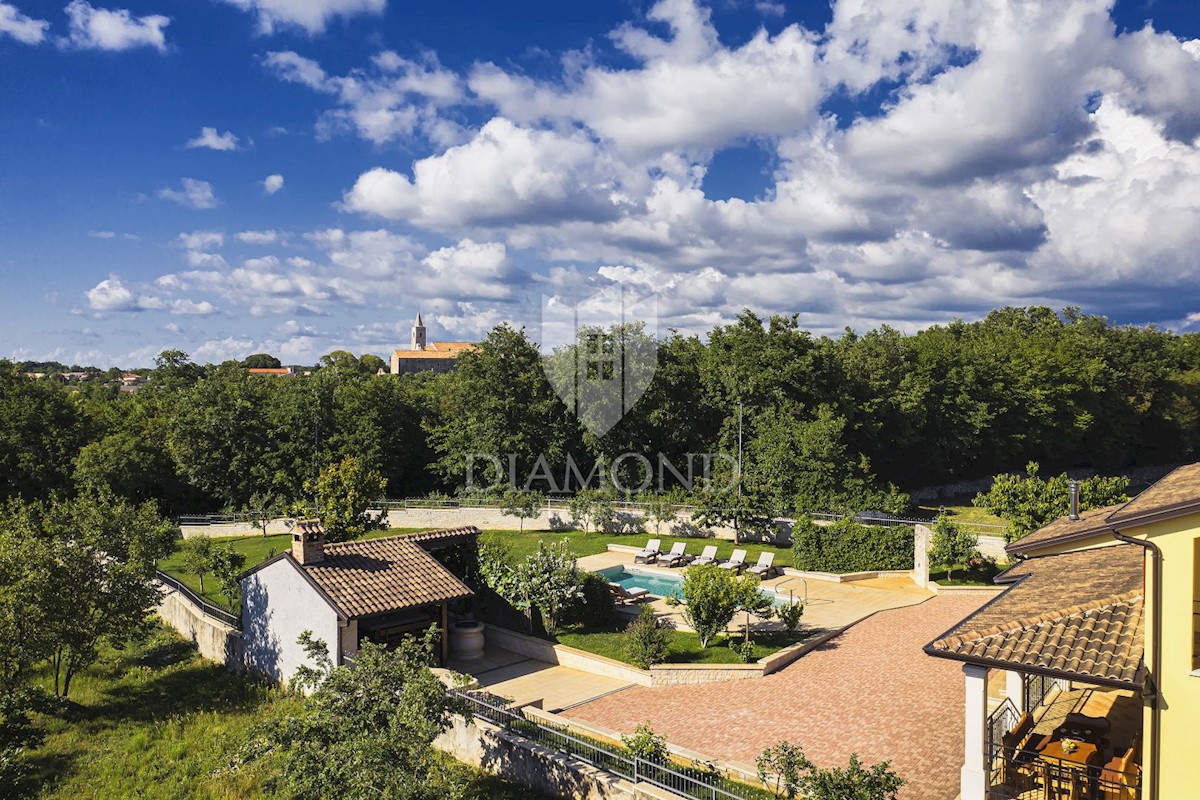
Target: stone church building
point(423, 356)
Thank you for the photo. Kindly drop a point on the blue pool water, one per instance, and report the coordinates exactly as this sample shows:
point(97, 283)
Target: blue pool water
point(662, 585)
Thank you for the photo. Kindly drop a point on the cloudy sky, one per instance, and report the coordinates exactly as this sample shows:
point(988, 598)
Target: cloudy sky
point(232, 176)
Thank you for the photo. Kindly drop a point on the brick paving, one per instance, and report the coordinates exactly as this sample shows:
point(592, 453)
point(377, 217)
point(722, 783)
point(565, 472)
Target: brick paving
point(870, 690)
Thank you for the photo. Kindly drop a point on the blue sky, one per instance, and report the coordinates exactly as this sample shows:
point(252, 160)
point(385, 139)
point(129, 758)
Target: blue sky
point(857, 162)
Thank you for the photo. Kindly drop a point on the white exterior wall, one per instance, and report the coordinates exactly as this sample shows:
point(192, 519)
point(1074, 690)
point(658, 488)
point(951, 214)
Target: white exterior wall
point(278, 604)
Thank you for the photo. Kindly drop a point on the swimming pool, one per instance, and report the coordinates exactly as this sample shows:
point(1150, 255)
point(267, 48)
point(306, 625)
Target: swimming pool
point(663, 584)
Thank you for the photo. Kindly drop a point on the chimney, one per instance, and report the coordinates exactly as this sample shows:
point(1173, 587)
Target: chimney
point(1073, 487)
point(308, 542)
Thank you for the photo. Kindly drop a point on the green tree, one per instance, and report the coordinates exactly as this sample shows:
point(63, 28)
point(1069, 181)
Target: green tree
point(659, 509)
point(498, 403)
point(645, 639)
point(227, 565)
point(712, 597)
point(91, 575)
point(42, 428)
point(1028, 502)
point(952, 544)
point(262, 508)
point(781, 767)
point(522, 505)
point(196, 557)
point(344, 493)
point(549, 581)
point(855, 782)
point(261, 361)
point(366, 731)
point(582, 506)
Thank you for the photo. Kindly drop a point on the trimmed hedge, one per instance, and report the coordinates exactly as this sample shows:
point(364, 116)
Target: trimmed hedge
point(847, 546)
point(595, 607)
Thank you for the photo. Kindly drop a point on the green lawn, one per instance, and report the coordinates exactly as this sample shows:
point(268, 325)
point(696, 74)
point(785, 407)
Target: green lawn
point(980, 576)
point(259, 548)
point(960, 509)
point(683, 647)
point(157, 721)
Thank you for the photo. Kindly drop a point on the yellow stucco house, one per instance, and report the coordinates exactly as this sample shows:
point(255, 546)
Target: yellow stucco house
point(1082, 678)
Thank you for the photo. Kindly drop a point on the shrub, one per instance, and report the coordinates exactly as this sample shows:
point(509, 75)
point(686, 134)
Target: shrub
point(789, 614)
point(645, 744)
point(594, 607)
point(713, 595)
point(847, 546)
point(645, 640)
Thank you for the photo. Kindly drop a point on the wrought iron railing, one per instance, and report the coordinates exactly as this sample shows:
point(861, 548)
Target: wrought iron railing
point(1028, 771)
point(207, 607)
point(696, 783)
point(1036, 688)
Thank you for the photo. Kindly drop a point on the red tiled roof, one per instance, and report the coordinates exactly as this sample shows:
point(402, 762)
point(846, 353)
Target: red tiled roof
point(1078, 613)
point(375, 576)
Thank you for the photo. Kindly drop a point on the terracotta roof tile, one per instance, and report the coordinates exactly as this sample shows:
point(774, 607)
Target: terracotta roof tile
point(1093, 521)
point(1079, 613)
point(436, 350)
point(1180, 487)
point(375, 576)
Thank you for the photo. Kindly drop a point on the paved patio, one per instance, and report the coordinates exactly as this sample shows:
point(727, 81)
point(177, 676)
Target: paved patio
point(870, 690)
point(829, 604)
point(526, 680)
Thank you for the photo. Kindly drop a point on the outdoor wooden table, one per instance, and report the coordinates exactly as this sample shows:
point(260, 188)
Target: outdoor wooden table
point(1078, 760)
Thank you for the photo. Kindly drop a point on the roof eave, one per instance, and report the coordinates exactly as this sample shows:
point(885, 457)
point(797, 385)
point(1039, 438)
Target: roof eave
point(1037, 670)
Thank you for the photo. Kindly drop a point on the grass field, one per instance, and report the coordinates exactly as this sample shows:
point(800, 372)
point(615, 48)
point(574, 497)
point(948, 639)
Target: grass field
point(155, 720)
point(960, 509)
point(683, 647)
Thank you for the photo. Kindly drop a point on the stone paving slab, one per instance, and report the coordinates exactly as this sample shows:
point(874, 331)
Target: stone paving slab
point(527, 680)
point(871, 690)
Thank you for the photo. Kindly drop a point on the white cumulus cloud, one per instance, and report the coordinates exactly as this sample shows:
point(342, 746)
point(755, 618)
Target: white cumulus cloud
point(311, 15)
point(113, 29)
point(272, 183)
point(211, 140)
point(20, 27)
point(192, 193)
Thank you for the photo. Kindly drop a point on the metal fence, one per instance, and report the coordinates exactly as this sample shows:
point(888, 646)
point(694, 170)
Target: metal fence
point(1027, 771)
point(1036, 688)
point(697, 783)
point(214, 611)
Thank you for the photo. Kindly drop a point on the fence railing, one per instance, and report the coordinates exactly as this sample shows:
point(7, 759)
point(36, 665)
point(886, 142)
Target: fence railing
point(214, 611)
point(694, 783)
point(1036, 687)
point(1029, 771)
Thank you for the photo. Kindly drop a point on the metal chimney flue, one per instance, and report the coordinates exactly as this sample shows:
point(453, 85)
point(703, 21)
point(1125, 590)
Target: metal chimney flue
point(1073, 488)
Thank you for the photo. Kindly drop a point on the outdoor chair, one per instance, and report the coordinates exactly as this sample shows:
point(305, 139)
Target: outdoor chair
point(1122, 774)
point(625, 596)
point(707, 556)
point(736, 562)
point(677, 557)
point(765, 567)
point(1017, 759)
point(650, 554)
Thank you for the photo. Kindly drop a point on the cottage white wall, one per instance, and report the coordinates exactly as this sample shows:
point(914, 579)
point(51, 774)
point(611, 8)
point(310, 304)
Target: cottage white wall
point(279, 604)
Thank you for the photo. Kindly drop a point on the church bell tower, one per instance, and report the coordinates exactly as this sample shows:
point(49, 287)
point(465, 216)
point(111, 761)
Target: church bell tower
point(418, 333)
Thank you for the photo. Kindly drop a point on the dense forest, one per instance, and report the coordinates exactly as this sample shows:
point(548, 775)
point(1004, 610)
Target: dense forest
point(826, 422)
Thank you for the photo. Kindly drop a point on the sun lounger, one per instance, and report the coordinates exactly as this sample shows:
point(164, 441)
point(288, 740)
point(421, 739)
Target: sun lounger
point(736, 562)
point(707, 556)
point(631, 595)
point(677, 557)
point(650, 554)
point(765, 567)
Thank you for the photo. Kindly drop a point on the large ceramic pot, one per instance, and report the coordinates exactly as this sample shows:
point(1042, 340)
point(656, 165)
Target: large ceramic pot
point(466, 640)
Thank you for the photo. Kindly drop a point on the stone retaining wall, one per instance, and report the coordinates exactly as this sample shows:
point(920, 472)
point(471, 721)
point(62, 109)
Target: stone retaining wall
point(214, 639)
point(486, 746)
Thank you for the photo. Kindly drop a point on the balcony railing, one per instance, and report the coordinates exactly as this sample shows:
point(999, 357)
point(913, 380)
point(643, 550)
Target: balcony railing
point(1029, 774)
